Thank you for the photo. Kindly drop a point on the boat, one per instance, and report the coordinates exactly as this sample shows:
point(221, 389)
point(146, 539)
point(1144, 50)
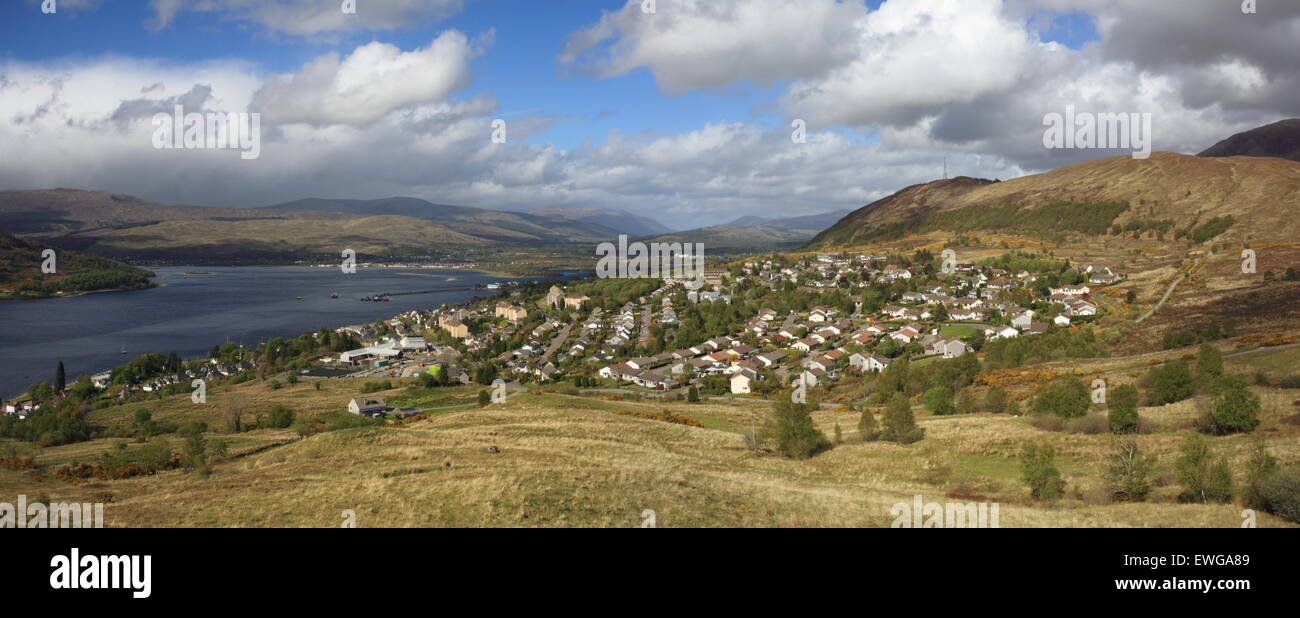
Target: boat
point(334, 295)
point(124, 349)
point(299, 298)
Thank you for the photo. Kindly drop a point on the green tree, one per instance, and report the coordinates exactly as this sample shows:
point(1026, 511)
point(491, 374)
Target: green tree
point(938, 400)
point(1203, 479)
point(1038, 470)
point(693, 394)
point(1261, 466)
point(995, 400)
point(790, 431)
point(1123, 413)
point(1128, 471)
point(60, 379)
point(484, 398)
point(868, 428)
point(1234, 409)
point(1169, 383)
point(1209, 363)
point(900, 424)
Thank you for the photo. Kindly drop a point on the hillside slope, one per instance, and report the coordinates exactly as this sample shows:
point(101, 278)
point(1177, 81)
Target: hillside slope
point(1280, 139)
point(21, 276)
point(1168, 191)
point(622, 222)
point(496, 225)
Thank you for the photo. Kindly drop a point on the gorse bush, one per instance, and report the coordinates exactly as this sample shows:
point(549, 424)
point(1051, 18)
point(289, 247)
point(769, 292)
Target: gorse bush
point(1169, 383)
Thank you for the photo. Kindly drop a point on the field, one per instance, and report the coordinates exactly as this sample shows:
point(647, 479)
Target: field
point(545, 459)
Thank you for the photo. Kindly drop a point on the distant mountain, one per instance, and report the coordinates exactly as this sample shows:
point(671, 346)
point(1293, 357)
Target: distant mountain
point(622, 222)
point(494, 225)
point(746, 221)
point(754, 233)
point(1196, 197)
point(1280, 139)
point(126, 227)
point(21, 275)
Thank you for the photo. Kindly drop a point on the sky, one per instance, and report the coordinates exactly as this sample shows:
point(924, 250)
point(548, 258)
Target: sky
point(686, 111)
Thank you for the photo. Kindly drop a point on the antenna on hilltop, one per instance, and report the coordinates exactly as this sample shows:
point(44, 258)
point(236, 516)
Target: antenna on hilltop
point(945, 168)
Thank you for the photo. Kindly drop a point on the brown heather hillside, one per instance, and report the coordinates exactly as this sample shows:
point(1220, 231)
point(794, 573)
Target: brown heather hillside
point(60, 210)
point(231, 240)
point(547, 460)
point(1261, 194)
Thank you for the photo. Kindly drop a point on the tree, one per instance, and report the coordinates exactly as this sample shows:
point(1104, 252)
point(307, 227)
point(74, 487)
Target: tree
point(938, 400)
point(1065, 397)
point(868, 429)
point(693, 394)
point(1123, 413)
point(1128, 471)
point(1202, 478)
point(995, 400)
point(1209, 363)
point(966, 402)
point(1038, 470)
point(1234, 409)
point(1169, 383)
point(484, 398)
point(1259, 468)
point(900, 424)
point(60, 379)
point(790, 431)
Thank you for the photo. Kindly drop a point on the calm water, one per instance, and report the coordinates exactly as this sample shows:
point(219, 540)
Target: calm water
point(191, 313)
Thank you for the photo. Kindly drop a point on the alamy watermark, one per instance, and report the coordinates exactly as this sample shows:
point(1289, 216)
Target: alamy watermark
point(194, 131)
point(676, 261)
point(921, 514)
point(52, 515)
point(1104, 130)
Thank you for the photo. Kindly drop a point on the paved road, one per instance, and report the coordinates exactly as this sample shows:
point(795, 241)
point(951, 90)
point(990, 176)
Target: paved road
point(556, 343)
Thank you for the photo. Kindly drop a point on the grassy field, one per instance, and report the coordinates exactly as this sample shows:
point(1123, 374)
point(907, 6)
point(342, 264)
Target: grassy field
point(554, 460)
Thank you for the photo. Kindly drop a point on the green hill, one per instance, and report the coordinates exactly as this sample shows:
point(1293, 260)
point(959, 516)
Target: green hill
point(21, 276)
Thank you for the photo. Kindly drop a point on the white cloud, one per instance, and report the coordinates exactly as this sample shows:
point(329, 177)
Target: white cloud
point(372, 81)
point(694, 44)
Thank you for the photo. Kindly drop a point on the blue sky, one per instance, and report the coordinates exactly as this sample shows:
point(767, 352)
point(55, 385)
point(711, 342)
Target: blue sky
point(684, 115)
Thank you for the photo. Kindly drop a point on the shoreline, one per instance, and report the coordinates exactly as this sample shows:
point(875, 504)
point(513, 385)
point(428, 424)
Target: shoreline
point(557, 275)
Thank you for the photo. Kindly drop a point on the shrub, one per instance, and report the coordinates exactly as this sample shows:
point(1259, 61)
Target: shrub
point(1259, 468)
point(1281, 493)
point(1065, 397)
point(280, 417)
point(1091, 424)
point(693, 394)
point(1123, 414)
point(1038, 470)
point(1202, 478)
point(484, 398)
point(1169, 383)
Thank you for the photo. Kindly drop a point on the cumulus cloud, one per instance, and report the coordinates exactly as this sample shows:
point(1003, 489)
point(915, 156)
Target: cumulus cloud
point(971, 75)
point(693, 44)
point(310, 17)
point(372, 81)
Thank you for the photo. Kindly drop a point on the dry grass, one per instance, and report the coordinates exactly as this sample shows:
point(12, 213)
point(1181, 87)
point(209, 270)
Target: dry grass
point(569, 461)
